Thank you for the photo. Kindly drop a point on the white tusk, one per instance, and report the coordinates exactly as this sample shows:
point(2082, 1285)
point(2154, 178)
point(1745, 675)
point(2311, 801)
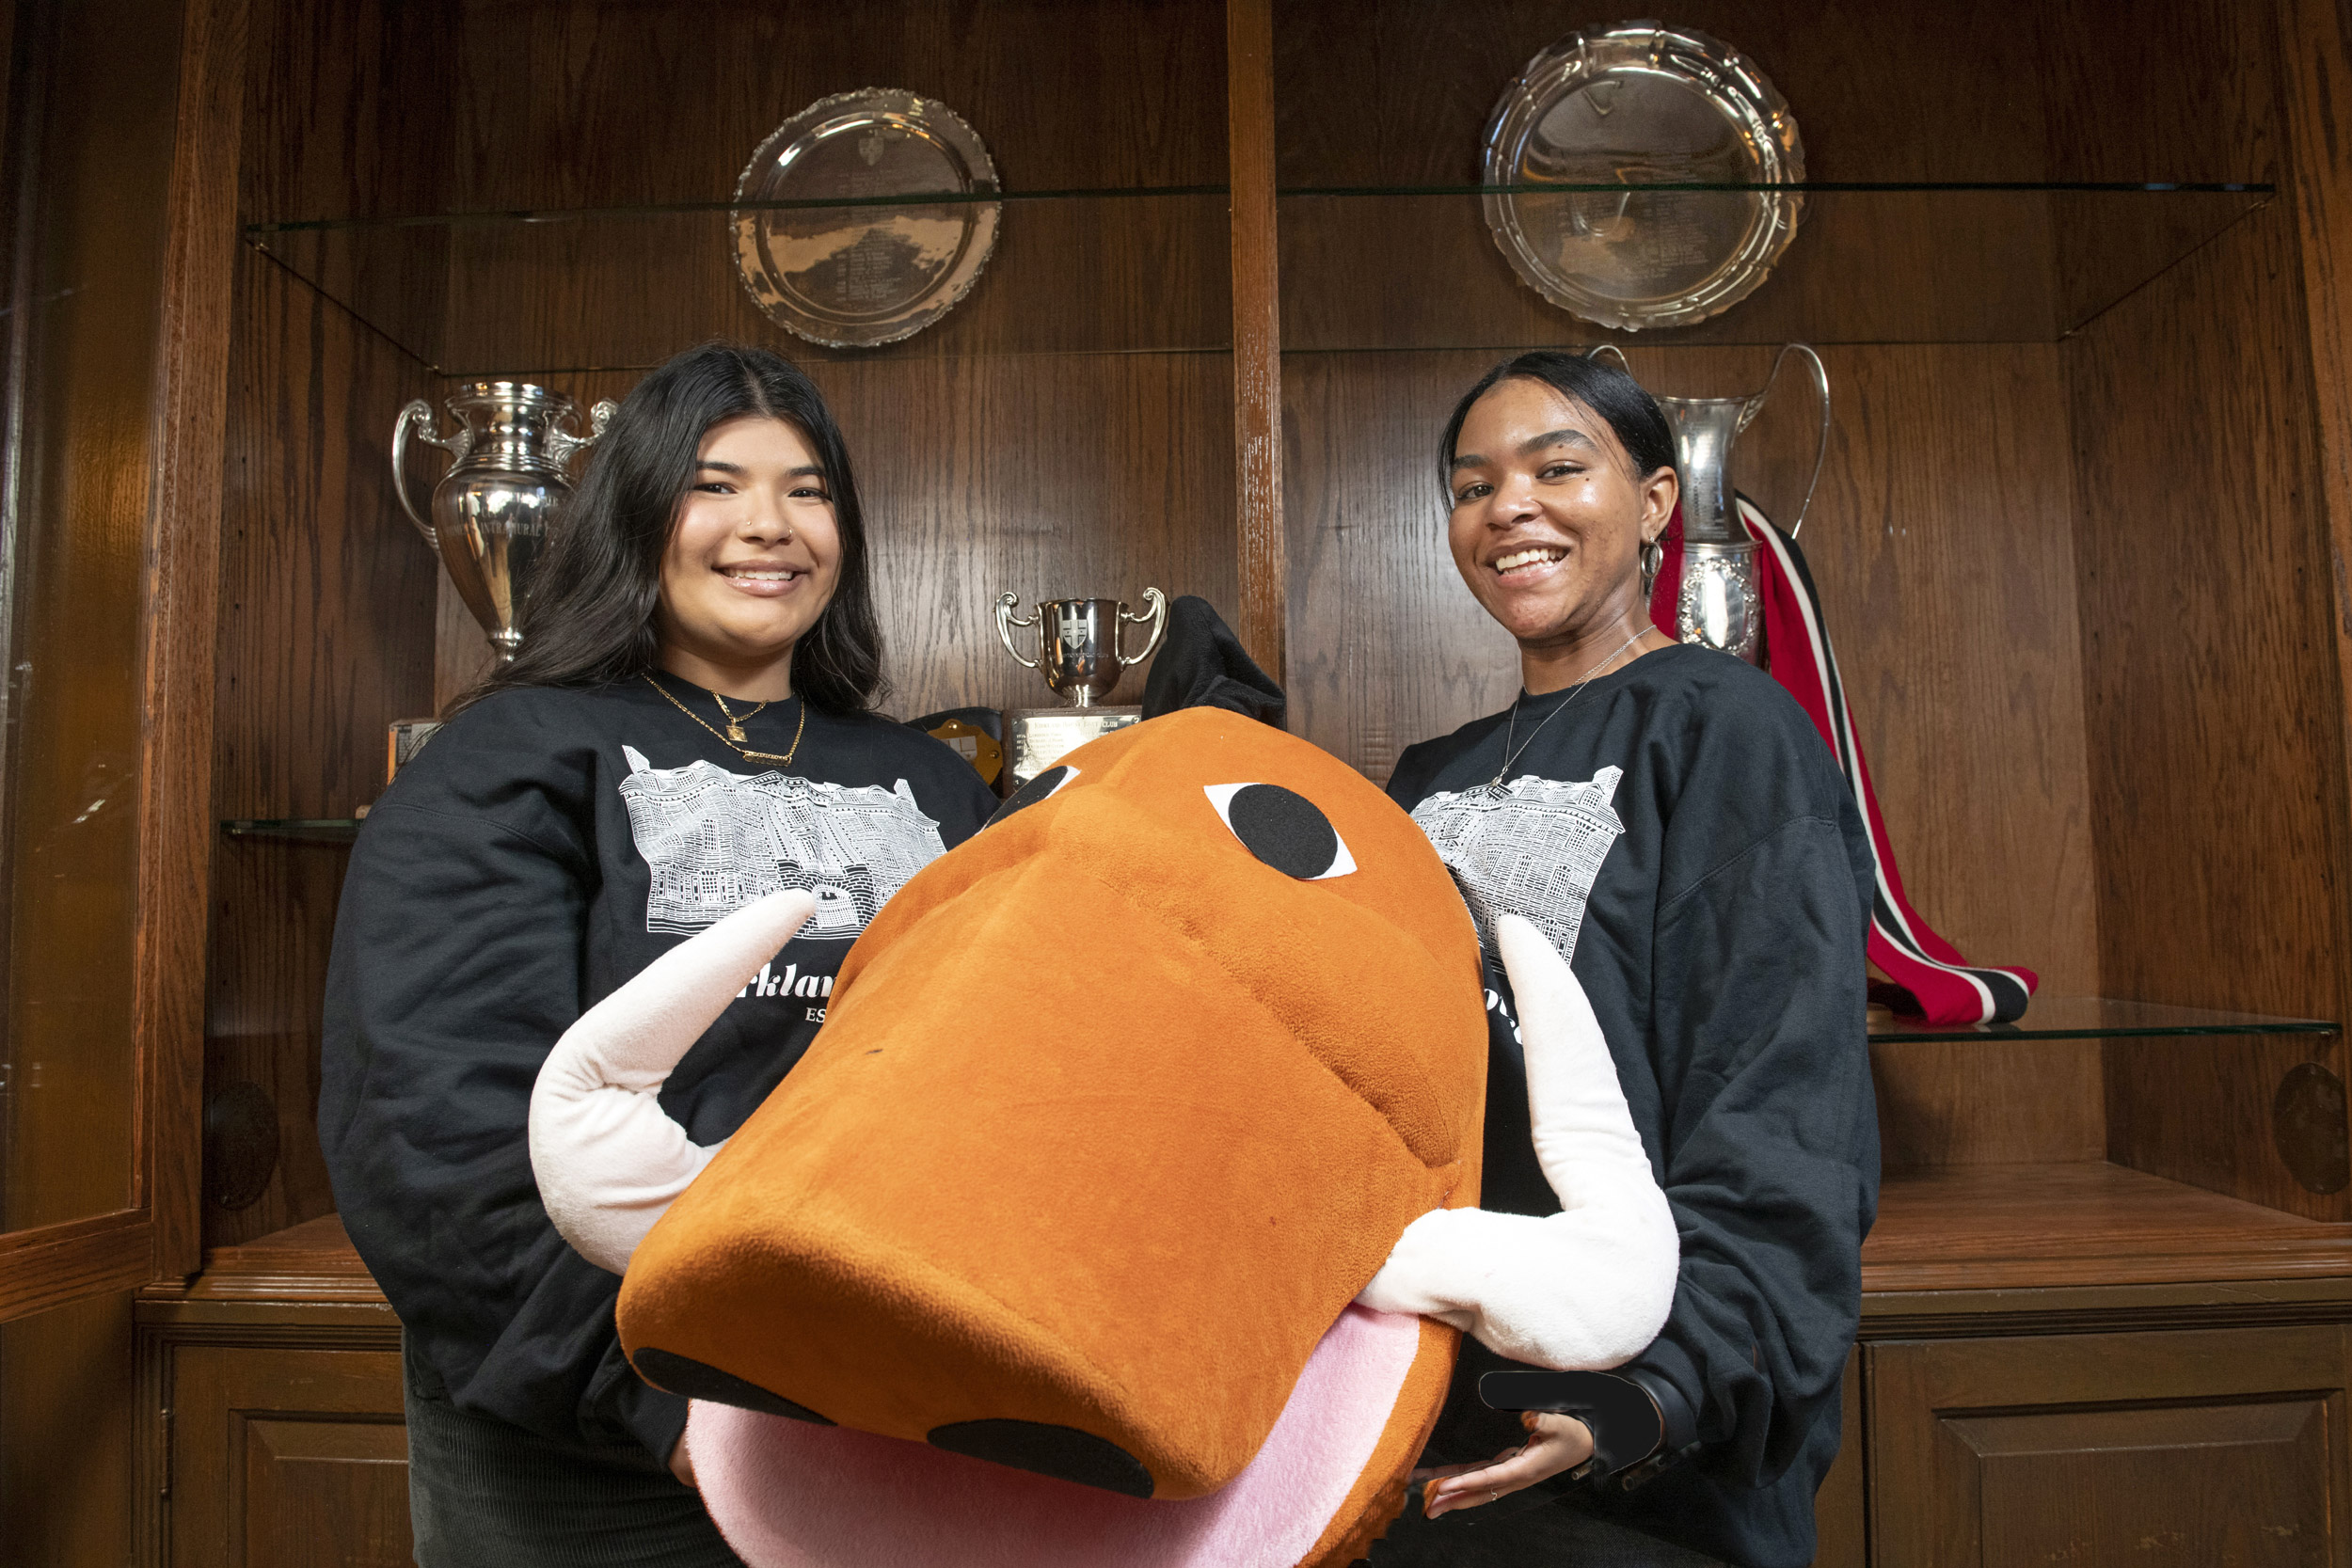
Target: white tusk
point(608, 1158)
point(1589, 1286)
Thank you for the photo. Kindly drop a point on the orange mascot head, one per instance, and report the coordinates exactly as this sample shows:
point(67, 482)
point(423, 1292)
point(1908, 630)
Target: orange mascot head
point(1047, 1252)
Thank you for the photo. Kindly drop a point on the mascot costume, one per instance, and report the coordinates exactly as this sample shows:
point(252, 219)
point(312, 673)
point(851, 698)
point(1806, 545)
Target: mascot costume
point(1124, 1211)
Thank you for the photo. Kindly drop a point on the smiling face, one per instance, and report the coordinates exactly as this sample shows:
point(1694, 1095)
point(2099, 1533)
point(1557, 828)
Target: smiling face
point(1549, 515)
point(753, 558)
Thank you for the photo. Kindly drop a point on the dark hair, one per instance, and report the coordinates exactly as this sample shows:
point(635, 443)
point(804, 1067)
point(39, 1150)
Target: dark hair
point(589, 620)
point(1613, 393)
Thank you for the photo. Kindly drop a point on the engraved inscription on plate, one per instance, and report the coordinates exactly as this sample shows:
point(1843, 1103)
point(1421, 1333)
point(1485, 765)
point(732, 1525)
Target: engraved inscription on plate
point(1640, 105)
point(855, 274)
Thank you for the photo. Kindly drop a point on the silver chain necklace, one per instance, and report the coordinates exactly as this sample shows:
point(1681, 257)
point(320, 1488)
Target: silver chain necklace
point(1510, 756)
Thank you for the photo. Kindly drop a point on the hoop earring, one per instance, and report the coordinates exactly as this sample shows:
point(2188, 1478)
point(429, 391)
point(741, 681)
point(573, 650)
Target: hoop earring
point(1653, 562)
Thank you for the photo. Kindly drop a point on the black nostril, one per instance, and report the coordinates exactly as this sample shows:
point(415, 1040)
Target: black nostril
point(1063, 1452)
point(696, 1380)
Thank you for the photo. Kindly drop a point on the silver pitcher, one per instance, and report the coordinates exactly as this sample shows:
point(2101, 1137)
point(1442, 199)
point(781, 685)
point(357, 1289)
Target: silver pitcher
point(492, 512)
point(1718, 604)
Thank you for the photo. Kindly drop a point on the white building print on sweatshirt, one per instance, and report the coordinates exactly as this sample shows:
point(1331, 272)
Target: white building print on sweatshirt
point(717, 840)
point(1530, 849)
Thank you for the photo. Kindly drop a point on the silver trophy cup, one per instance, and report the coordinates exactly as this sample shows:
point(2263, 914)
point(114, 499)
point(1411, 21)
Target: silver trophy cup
point(1077, 642)
point(1078, 653)
point(492, 512)
point(1718, 604)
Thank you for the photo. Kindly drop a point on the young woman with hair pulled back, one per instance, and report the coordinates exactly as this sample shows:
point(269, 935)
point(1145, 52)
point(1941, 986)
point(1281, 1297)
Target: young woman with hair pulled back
point(700, 655)
point(1669, 817)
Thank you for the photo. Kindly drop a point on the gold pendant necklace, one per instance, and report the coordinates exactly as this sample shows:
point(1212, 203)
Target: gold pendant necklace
point(735, 726)
point(733, 737)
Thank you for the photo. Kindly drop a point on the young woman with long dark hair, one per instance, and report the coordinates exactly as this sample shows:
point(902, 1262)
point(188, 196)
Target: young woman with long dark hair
point(1668, 817)
point(686, 728)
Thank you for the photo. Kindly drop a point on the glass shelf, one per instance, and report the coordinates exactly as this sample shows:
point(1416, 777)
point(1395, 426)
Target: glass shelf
point(2080, 1018)
point(1147, 269)
point(1870, 263)
point(297, 830)
point(541, 291)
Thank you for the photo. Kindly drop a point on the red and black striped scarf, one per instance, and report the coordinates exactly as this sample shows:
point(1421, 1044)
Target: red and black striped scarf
point(1930, 977)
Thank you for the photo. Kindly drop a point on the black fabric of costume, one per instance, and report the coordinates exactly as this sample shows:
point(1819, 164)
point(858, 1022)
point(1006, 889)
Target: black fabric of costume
point(1679, 830)
point(544, 848)
point(1203, 664)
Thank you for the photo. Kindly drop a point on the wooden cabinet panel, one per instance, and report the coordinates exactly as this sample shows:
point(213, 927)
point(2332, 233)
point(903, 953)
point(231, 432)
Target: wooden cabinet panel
point(1840, 1508)
point(288, 1459)
point(325, 1493)
point(2098, 1449)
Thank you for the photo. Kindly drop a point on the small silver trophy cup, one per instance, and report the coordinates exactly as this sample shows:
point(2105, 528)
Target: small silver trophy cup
point(1078, 653)
point(491, 513)
point(1719, 604)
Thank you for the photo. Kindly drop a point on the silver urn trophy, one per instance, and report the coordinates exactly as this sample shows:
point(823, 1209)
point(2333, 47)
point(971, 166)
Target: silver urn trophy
point(1718, 604)
point(490, 515)
point(1078, 653)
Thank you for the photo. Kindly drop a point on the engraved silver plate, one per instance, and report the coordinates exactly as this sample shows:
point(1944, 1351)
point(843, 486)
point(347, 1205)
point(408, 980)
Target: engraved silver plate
point(852, 277)
point(1641, 104)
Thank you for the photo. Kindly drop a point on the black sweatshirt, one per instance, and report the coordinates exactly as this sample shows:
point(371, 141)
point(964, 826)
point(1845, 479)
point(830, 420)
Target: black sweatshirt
point(543, 848)
point(1681, 833)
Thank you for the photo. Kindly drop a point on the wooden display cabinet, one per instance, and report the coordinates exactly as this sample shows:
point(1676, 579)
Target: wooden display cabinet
point(2079, 540)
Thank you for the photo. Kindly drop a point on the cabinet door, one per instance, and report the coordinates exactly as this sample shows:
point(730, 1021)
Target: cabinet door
point(2188, 1449)
point(288, 1459)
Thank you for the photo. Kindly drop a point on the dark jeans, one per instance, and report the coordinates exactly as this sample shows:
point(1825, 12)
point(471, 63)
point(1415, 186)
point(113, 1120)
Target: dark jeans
point(483, 1493)
point(1540, 1531)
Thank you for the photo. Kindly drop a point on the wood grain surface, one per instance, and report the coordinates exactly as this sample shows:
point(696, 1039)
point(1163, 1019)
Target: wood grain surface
point(176, 826)
point(326, 634)
point(2023, 1227)
point(1257, 336)
point(566, 103)
point(96, 833)
point(2103, 1449)
point(1399, 94)
point(2212, 693)
point(287, 1456)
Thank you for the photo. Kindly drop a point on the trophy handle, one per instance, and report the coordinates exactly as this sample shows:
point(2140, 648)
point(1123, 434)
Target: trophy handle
point(418, 419)
point(563, 446)
point(1623, 363)
point(1006, 620)
point(1820, 384)
point(1155, 612)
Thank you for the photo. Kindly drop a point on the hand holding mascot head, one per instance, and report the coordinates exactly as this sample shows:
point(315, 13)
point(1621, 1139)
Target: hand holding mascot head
point(1050, 1252)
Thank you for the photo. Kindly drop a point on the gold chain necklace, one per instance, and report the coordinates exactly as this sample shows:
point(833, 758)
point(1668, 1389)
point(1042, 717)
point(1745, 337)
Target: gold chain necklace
point(749, 755)
point(735, 726)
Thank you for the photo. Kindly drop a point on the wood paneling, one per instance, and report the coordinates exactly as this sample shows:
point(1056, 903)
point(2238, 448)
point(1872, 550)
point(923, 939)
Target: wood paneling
point(2212, 697)
point(325, 1493)
point(183, 605)
point(347, 113)
point(1257, 332)
point(2106, 1449)
point(326, 634)
point(2014, 1228)
point(563, 103)
point(68, 1427)
point(575, 104)
point(1399, 94)
point(287, 1457)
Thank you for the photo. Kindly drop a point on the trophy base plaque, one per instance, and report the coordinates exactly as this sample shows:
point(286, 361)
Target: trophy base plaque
point(1038, 737)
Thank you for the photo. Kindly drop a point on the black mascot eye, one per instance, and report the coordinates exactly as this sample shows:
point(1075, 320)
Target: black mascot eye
point(1283, 829)
point(1030, 793)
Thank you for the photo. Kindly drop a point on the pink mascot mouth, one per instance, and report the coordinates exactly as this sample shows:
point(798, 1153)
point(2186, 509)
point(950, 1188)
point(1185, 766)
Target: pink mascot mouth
point(790, 1494)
